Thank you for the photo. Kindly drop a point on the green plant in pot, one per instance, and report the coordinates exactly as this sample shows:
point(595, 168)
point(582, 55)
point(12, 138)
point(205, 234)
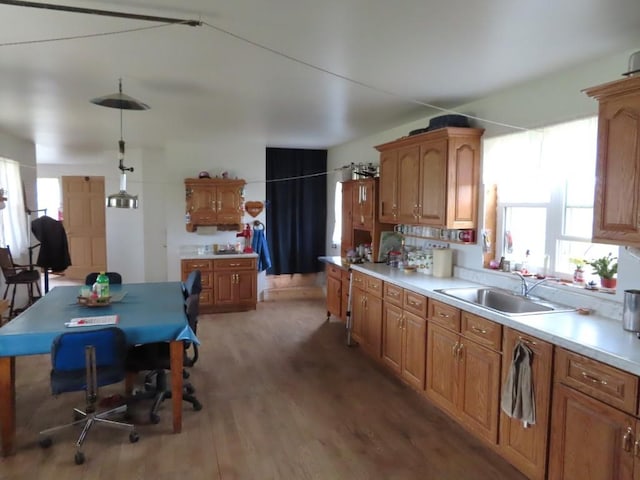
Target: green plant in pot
point(606, 268)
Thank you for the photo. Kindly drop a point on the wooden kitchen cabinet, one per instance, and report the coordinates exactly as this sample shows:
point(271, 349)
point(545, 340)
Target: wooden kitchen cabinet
point(463, 375)
point(346, 240)
point(366, 313)
point(213, 201)
point(431, 178)
point(336, 286)
point(206, 273)
point(363, 201)
point(526, 447)
point(616, 212)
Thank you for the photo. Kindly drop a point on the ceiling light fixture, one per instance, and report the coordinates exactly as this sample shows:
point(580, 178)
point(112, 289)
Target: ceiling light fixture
point(122, 102)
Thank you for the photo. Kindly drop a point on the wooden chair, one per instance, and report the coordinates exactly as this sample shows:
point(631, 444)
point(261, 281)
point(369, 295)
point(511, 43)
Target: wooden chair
point(16, 274)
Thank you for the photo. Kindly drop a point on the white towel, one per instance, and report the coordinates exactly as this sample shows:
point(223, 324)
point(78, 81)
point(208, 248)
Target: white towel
point(518, 399)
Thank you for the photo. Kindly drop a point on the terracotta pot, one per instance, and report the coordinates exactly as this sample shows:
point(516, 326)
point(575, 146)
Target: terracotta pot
point(608, 282)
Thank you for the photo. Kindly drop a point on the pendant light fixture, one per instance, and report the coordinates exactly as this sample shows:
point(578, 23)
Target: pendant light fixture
point(122, 102)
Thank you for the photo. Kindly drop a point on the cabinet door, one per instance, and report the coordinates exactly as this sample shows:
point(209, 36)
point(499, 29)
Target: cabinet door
point(388, 193)
point(616, 213)
point(228, 203)
point(202, 205)
point(357, 314)
point(346, 240)
point(223, 288)
point(373, 325)
point(526, 448)
point(345, 294)
point(392, 337)
point(463, 175)
point(479, 389)
point(433, 182)
point(334, 296)
point(589, 439)
point(408, 181)
point(363, 196)
point(246, 286)
point(442, 367)
point(414, 330)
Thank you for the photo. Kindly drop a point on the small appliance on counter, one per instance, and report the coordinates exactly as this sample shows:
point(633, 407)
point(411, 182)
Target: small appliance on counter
point(442, 262)
point(631, 311)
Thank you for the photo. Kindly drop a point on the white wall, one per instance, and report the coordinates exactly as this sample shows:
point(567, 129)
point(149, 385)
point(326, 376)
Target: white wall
point(553, 99)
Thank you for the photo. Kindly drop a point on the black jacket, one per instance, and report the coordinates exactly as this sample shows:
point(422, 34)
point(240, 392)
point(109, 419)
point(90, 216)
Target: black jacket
point(54, 249)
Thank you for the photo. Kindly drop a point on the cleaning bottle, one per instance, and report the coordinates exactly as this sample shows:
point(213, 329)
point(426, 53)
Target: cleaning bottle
point(102, 285)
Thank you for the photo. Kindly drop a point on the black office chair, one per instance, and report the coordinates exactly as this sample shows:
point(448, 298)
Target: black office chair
point(114, 278)
point(156, 358)
point(84, 361)
point(192, 286)
point(16, 274)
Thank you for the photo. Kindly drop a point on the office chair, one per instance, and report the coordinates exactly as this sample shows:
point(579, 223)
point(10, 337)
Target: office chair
point(192, 286)
point(84, 361)
point(16, 274)
point(114, 278)
point(156, 357)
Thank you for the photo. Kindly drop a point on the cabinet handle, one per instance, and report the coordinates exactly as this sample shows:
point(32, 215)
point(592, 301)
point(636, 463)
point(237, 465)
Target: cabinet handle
point(459, 352)
point(234, 264)
point(526, 340)
point(403, 323)
point(627, 440)
point(478, 330)
point(636, 448)
point(593, 379)
point(454, 350)
point(443, 315)
point(398, 322)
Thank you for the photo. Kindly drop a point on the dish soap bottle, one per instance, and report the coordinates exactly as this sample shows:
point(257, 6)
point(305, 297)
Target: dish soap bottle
point(101, 286)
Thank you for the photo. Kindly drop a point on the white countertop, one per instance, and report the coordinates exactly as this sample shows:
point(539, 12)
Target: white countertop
point(594, 336)
point(210, 256)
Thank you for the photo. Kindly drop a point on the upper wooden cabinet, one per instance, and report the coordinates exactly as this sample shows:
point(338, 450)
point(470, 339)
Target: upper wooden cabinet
point(363, 203)
point(431, 178)
point(616, 215)
point(213, 201)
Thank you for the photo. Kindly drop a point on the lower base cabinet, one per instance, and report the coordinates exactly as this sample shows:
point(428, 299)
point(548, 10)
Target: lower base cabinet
point(526, 447)
point(366, 315)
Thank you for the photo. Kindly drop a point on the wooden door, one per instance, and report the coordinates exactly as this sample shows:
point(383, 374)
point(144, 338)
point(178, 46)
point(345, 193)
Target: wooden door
point(228, 202)
point(414, 343)
point(357, 314)
point(479, 389)
point(408, 181)
point(388, 191)
point(334, 296)
point(373, 325)
point(83, 200)
point(589, 439)
point(224, 288)
point(246, 286)
point(363, 197)
point(392, 337)
point(463, 176)
point(442, 367)
point(202, 204)
point(433, 182)
point(526, 447)
point(617, 194)
point(345, 294)
point(346, 240)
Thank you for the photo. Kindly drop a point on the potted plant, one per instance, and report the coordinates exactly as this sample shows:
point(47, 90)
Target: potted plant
point(606, 268)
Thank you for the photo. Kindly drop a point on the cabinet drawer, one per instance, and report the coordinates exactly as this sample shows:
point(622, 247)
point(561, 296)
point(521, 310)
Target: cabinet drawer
point(393, 294)
point(358, 279)
point(445, 315)
point(195, 264)
point(614, 387)
point(482, 331)
point(374, 286)
point(234, 264)
point(415, 303)
point(334, 271)
point(206, 297)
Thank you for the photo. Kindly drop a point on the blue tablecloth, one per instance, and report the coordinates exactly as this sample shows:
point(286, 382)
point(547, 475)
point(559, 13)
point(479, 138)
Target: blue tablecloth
point(149, 312)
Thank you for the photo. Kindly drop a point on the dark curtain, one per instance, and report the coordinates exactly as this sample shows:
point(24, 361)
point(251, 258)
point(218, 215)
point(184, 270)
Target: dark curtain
point(296, 209)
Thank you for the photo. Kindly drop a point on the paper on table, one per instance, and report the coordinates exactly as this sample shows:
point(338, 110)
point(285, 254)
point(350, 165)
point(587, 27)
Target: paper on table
point(91, 321)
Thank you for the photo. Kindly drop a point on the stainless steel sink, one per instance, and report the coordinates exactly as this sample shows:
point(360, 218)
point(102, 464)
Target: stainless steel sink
point(503, 301)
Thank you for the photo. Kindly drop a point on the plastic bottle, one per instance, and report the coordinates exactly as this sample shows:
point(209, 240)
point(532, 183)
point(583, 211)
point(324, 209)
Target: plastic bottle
point(102, 285)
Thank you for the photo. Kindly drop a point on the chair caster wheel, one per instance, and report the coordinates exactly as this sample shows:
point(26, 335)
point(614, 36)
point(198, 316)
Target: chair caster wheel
point(79, 458)
point(154, 418)
point(197, 406)
point(134, 437)
point(45, 442)
point(190, 390)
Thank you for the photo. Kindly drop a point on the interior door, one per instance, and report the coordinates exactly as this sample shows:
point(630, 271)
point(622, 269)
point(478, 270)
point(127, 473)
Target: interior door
point(83, 202)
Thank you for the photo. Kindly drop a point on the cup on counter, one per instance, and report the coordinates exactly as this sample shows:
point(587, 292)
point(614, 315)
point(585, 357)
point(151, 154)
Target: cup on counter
point(85, 291)
point(216, 247)
point(467, 235)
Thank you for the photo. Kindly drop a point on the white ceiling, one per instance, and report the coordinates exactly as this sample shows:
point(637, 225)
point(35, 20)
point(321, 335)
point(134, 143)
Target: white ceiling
point(280, 70)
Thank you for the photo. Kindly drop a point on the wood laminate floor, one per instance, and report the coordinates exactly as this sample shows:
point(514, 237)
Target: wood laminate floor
point(284, 398)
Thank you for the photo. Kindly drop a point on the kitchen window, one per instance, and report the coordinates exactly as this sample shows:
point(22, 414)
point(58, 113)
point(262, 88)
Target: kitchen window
point(545, 182)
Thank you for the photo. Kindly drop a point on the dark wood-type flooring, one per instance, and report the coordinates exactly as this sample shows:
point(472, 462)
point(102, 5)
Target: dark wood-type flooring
point(284, 398)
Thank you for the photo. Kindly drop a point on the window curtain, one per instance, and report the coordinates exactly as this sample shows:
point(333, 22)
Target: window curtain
point(296, 195)
point(13, 219)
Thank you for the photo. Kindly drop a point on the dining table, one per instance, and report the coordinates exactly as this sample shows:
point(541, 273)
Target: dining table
point(146, 312)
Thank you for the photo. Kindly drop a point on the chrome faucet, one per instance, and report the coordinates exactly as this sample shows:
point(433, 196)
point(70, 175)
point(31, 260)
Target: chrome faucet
point(525, 288)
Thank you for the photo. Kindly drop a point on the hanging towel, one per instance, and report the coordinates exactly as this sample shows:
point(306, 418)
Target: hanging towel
point(259, 245)
point(518, 400)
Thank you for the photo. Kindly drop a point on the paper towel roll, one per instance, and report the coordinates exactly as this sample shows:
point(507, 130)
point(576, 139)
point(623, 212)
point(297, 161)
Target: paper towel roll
point(442, 262)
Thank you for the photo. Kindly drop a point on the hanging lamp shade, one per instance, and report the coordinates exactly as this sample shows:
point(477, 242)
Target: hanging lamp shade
point(121, 101)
